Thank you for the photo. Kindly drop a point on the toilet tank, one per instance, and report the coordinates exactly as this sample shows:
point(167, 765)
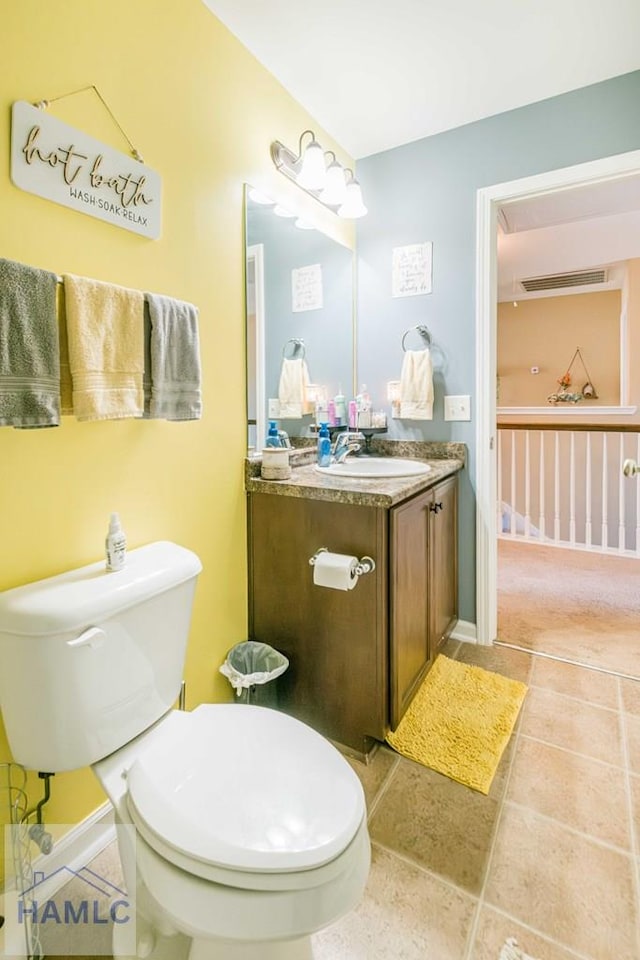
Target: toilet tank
point(89, 659)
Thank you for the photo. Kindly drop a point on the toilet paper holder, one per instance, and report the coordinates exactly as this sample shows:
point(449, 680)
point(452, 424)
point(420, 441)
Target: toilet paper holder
point(365, 564)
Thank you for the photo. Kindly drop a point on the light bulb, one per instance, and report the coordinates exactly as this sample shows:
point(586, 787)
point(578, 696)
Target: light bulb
point(303, 224)
point(313, 173)
point(353, 207)
point(335, 191)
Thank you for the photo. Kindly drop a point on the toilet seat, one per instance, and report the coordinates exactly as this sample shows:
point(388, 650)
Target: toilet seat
point(230, 790)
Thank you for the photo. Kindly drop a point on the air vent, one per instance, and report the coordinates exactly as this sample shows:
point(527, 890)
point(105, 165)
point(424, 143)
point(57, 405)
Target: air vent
point(558, 280)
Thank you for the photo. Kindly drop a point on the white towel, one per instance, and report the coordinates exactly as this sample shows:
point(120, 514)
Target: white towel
point(416, 386)
point(292, 389)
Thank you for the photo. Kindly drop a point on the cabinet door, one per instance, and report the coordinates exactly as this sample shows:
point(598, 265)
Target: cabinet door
point(336, 640)
point(443, 579)
point(409, 601)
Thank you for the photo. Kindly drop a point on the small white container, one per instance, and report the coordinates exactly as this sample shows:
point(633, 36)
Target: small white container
point(275, 464)
point(115, 544)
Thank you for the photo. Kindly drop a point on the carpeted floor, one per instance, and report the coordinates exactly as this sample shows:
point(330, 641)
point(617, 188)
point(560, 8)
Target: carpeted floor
point(584, 607)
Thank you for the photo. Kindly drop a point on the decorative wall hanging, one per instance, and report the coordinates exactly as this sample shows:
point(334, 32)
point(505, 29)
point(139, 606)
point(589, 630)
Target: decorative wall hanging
point(564, 395)
point(53, 160)
point(411, 270)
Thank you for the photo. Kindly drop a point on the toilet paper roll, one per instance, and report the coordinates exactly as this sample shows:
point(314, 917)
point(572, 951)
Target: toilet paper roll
point(335, 570)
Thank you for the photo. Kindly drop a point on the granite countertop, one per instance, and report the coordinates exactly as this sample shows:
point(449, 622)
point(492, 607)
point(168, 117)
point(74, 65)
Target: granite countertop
point(306, 482)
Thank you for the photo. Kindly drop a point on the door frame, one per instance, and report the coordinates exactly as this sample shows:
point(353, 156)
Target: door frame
point(255, 253)
point(487, 203)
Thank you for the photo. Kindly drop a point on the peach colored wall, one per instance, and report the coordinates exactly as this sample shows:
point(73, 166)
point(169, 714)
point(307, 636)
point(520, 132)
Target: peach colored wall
point(545, 333)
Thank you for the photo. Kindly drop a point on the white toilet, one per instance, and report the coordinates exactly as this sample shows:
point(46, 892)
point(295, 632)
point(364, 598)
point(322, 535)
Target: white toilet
point(247, 829)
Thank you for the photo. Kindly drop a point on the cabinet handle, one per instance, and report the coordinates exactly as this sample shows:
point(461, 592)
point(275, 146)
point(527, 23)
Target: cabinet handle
point(434, 507)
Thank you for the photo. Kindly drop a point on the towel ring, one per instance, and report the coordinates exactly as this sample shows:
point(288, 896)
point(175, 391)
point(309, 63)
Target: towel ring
point(422, 330)
point(298, 344)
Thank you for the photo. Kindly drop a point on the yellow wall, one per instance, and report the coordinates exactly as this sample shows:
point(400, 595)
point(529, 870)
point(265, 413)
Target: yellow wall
point(545, 333)
point(202, 112)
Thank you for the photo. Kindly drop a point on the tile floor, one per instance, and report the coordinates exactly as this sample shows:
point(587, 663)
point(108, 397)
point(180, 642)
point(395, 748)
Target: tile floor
point(550, 857)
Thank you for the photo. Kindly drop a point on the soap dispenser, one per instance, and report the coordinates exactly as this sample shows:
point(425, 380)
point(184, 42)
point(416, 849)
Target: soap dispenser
point(324, 446)
point(273, 437)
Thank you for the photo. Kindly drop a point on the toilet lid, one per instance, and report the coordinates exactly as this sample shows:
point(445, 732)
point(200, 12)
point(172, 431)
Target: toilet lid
point(246, 788)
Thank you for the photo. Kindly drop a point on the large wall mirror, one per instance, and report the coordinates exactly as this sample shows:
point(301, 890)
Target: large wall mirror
point(300, 305)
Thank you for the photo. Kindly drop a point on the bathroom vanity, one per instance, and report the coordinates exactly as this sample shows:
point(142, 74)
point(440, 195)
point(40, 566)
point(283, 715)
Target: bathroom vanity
point(357, 657)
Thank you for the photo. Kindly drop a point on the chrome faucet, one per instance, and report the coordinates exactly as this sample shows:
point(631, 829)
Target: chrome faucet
point(345, 444)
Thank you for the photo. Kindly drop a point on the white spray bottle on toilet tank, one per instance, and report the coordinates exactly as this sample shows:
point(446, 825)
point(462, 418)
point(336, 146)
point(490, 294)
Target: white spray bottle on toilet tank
point(115, 544)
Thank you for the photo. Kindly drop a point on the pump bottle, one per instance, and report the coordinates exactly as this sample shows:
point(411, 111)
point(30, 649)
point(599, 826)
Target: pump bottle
point(324, 446)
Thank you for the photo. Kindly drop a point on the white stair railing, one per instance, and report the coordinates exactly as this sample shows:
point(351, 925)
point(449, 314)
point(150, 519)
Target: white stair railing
point(563, 485)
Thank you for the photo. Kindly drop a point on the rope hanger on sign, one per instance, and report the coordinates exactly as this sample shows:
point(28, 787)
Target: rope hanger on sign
point(564, 395)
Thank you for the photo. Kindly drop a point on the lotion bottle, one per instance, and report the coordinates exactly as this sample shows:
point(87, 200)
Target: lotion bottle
point(115, 544)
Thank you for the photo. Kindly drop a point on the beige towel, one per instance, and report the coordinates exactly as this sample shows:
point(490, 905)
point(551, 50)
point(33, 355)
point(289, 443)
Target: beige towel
point(416, 386)
point(106, 348)
point(292, 389)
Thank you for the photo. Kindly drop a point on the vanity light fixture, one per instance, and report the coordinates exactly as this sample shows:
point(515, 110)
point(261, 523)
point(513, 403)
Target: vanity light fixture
point(321, 175)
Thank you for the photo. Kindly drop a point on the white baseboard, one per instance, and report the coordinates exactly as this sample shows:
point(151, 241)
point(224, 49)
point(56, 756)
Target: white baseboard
point(466, 631)
point(74, 850)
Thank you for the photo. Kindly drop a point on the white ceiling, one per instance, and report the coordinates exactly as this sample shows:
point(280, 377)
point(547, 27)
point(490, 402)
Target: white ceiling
point(379, 73)
point(595, 200)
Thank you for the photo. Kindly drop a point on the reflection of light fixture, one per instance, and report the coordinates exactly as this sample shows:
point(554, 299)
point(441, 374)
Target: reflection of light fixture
point(303, 224)
point(332, 185)
point(282, 211)
point(260, 198)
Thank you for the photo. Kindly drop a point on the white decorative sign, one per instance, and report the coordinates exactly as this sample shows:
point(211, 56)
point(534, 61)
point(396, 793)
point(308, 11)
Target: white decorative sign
point(306, 288)
point(58, 162)
point(412, 265)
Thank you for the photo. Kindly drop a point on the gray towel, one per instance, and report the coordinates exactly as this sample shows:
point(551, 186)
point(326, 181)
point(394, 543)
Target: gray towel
point(175, 359)
point(29, 347)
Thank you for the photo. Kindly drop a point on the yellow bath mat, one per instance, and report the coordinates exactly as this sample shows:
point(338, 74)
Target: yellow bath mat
point(460, 722)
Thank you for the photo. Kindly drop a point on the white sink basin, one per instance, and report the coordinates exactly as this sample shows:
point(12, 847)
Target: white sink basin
point(376, 467)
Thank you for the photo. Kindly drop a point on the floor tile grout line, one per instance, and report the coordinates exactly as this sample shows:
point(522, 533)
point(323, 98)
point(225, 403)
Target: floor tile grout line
point(568, 696)
point(573, 753)
point(559, 659)
point(577, 954)
point(473, 929)
point(419, 866)
point(574, 830)
point(632, 831)
point(382, 789)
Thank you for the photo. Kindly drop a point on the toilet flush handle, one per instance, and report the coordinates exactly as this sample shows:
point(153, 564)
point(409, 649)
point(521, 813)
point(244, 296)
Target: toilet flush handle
point(93, 637)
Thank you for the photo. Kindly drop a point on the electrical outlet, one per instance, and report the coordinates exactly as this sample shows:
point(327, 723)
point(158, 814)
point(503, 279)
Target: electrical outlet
point(457, 408)
point(273, 408)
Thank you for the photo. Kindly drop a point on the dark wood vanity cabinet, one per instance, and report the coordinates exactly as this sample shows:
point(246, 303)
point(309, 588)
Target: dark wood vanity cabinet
point(423, 588)
point(356, 657)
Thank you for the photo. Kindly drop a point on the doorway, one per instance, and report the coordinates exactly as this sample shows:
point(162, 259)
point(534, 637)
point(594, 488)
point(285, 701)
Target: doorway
point(489, 201)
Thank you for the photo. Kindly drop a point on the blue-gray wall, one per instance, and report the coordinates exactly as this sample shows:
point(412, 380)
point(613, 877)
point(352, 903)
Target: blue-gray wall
point(427, 191)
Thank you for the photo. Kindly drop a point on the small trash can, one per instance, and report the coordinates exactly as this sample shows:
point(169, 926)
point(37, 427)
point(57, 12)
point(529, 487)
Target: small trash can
point(251, 668)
